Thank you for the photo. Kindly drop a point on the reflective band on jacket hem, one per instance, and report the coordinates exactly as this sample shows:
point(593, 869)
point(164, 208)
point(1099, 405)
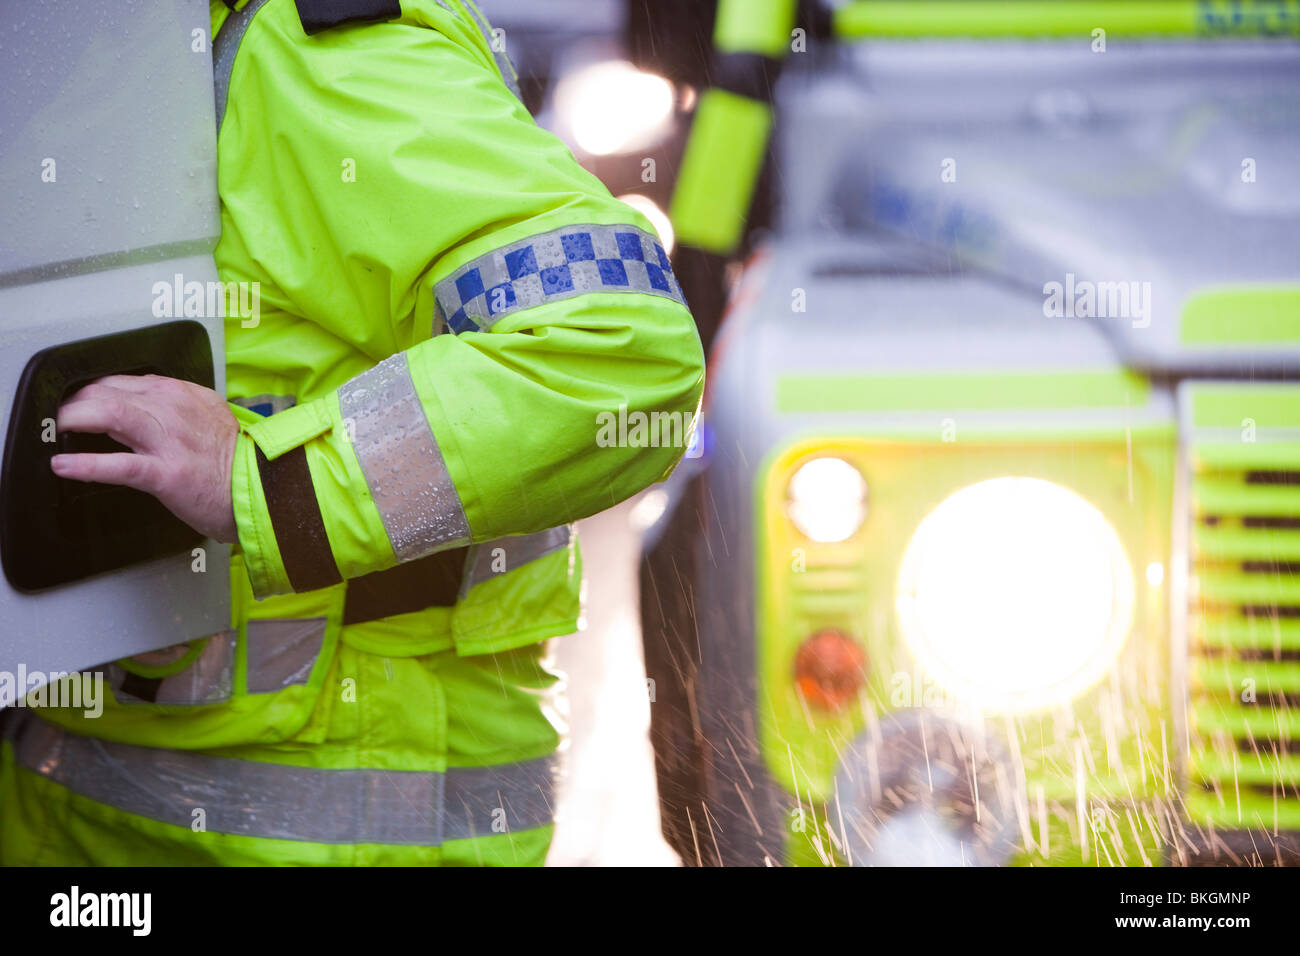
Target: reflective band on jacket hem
point(278, 802)
point(225, 45)
point(403, 466)
point(493, 558)
point(561, 264)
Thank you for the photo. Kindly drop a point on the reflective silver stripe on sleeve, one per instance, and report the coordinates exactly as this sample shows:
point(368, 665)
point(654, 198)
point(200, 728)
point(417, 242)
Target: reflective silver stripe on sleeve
point(282, 652)
point(275, 801)
point(552, 266)
point(493, 558)
point(400, 458)
point(208, 679)
point(225, 45)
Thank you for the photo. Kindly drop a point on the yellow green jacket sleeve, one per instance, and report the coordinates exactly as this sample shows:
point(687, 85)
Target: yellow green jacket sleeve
point(522, 356)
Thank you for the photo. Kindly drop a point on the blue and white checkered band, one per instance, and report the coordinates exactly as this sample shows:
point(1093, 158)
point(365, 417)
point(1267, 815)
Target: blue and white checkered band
point(552, 266)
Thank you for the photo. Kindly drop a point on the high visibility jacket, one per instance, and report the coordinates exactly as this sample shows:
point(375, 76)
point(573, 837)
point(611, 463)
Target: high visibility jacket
point(449, 304)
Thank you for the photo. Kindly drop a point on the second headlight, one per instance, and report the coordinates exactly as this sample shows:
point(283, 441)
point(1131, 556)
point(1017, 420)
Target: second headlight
point(827, 500)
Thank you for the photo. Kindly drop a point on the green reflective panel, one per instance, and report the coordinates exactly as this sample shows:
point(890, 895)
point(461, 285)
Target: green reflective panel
point(1065, 18)
point(1036, 390)
point(1246, 407)
point(1252, 316)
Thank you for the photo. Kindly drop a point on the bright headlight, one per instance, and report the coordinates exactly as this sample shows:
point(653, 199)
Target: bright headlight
point(827, 499)
point(1015, 594)
point(613, 107)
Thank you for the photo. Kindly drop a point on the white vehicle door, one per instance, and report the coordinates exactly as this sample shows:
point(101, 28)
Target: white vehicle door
point(108, 218)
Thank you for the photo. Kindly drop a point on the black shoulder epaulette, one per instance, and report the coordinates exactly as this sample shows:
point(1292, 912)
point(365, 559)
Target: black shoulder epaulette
point(318, 16)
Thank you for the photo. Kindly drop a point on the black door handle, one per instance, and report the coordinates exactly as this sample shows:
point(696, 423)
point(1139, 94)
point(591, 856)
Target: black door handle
point(52, 530)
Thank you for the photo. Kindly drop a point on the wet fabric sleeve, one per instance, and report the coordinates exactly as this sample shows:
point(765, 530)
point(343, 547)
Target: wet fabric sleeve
point(531, 360)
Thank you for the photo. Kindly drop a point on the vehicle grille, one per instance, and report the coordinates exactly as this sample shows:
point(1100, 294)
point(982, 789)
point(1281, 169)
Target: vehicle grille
point(1243, 459)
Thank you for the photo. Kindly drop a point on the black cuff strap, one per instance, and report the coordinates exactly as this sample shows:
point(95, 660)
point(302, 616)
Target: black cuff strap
point(317, 16)
point(296, 518)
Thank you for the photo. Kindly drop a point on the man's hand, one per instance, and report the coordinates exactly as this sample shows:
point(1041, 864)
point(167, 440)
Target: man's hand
point(183, 439)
